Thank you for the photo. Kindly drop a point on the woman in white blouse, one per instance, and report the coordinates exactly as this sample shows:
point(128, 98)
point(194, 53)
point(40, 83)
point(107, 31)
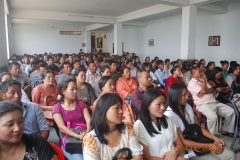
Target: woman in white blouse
point(182, 115)
point(156, 132)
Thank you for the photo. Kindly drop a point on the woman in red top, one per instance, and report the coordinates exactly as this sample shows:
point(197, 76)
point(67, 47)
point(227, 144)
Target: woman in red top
point(176, 72)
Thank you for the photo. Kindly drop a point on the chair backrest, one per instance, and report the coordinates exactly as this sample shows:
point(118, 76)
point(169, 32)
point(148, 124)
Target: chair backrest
point(58, 150)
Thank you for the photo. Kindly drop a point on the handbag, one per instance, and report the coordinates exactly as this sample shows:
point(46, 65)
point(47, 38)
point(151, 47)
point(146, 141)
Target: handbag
point(47, 113)
point(123, 153)
point(194, 133)
point(71, 144)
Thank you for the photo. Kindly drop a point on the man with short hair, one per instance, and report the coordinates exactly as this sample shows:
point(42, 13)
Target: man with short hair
point(104, 61)
point(167, 66)
point(91, 74)
point(29, 68)
point(144, 80)
point(34, 120)
point(202, 93)
point(14, 70)
point(35, 72)
point(76, 66)
point(51, 65)
point(114, 74)
point(37, 80)
point(160, 73)
point(66, 69)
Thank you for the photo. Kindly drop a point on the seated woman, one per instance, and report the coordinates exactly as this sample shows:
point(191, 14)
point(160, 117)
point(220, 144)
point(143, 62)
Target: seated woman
point(156, 132)
point(109, 133)
point(106, 85)
point(105, 71)
point(84, 90)
point(137, 63)
point(71, 110)
point(222, 90)
point(14, 143)
point(225, 65)
point(125, 85)
point(175, 77)
point(41, 93)
point(209, 68)
point(4, 76)
point(182, 115)
point(232, 79)
point(185, 67)
point(48, 88)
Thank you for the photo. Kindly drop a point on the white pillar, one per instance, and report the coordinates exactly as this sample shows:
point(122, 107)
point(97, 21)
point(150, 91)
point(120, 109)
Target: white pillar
point(188, 36)
point(87, 41)
point(3, 41)
point(118, 38)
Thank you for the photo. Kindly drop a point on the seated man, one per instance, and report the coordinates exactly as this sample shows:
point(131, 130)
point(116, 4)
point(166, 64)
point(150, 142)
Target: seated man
point(202, 93)
point(34, 120)
point(14, 70)
point(91, 74)
point(51, 65)
point(37, 80)
point(144, 80)
point(160, 73)
point(114, 74)
point(66, 69)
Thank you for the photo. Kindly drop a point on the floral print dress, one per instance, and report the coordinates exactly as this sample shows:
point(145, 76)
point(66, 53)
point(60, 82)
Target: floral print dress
point(94, 150)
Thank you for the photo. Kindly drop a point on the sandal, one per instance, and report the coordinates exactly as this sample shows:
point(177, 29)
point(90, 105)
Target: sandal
point(229, 134)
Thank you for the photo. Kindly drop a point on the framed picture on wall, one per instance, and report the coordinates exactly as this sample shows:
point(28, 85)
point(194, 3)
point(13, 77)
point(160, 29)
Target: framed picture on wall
point(100, 42)
point(151, 42)
point(214, 41)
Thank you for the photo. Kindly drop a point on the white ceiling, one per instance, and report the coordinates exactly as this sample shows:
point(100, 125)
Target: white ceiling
point(89, 14)
point(94, 7)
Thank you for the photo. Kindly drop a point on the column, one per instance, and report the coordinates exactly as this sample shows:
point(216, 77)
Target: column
point(118, 38)
point(87, 41)
point(3, 41)
point(188, 34)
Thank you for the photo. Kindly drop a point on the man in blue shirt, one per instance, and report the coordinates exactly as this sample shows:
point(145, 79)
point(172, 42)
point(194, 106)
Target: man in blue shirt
point(34, 120)
point(160, 73)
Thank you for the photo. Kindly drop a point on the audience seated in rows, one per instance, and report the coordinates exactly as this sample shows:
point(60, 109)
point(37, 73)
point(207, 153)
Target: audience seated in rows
point(89, 87)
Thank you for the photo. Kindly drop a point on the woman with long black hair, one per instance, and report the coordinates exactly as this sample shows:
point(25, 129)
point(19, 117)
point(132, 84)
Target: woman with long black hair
point(156, 132)
point(109, 133)
point(182, 115)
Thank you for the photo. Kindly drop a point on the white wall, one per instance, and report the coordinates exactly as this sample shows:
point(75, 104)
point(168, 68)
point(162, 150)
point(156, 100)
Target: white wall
point(166, 33)
point(107, 42)
point(40, 41)
point(225, 25)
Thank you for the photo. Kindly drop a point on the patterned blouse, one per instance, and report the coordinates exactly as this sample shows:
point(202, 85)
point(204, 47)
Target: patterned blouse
point(94, 150)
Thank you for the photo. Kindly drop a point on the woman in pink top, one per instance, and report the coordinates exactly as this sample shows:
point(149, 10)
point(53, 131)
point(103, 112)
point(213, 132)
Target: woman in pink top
point(69, 109)
point(125, 85)
point(176, 72)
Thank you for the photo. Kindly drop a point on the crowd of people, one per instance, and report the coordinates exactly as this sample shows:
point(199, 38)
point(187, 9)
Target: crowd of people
point(118, 102)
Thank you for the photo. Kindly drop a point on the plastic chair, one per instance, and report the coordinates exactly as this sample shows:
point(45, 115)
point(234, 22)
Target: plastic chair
point(58, 150)
point(200, 117)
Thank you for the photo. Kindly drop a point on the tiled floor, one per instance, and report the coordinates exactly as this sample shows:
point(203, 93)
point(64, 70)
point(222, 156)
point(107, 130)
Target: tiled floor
point(53, 138)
